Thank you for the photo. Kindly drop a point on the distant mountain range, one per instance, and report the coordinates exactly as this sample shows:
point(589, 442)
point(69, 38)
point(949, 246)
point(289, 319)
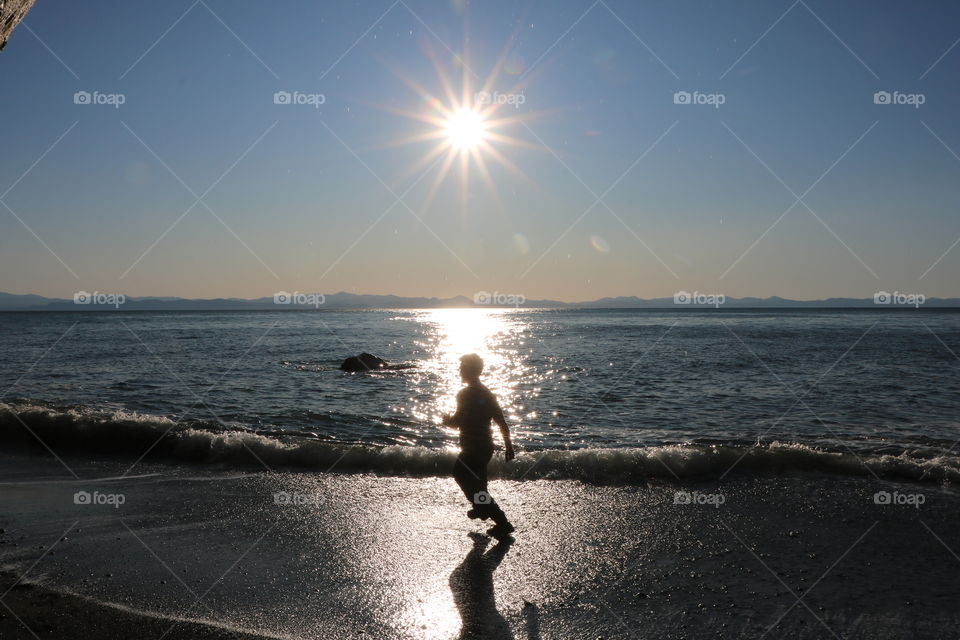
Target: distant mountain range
point(95, 301)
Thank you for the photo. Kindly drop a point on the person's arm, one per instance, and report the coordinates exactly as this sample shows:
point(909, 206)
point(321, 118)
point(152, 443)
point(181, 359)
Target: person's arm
point(505, 432)
point(454, 420)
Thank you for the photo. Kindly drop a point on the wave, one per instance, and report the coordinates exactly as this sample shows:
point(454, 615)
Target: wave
point(136, 435)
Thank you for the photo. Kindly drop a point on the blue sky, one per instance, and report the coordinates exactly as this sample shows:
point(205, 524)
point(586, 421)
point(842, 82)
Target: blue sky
point(301, 197)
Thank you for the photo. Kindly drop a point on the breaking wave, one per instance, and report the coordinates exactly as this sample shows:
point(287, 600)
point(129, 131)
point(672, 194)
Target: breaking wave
point(131, 434)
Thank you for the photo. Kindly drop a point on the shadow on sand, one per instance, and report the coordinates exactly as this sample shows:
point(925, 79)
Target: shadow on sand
point(472, 586)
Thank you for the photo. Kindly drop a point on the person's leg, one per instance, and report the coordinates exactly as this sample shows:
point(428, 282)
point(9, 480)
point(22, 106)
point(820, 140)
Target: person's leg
point(499, 517)
point(490, 509)
point(470, 472)
point(466, 476)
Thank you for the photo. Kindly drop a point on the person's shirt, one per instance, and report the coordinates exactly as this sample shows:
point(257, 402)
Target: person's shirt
point(476, 407)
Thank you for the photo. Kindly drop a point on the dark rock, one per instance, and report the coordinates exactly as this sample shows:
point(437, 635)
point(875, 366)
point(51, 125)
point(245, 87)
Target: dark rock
point(364, 362)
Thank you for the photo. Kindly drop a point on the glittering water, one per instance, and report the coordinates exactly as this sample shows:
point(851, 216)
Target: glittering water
point(566, 379)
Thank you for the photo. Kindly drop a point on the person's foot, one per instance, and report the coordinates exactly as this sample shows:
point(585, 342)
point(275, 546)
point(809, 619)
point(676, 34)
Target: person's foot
point(501, 531)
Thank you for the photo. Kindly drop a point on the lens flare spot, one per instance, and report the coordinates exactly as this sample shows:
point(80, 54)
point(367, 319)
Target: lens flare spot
point(599, 244)
point(521, 243)
point(515, 65)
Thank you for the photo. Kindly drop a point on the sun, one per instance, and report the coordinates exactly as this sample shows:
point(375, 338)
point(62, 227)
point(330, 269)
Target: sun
point(465, 129)
point(465, 126)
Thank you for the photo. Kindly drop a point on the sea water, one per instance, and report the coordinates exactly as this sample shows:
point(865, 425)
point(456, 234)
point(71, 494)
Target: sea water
point(590, 391)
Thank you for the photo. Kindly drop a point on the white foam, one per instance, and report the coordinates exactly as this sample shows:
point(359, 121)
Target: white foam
point(128, 433)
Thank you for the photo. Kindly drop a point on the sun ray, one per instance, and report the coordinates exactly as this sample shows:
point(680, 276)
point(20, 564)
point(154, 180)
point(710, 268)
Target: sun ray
point(509, 140)
point(487, 178)
point(444, 80)
point(427, 158)
point(426, 118)
point(438, 179)
point(508, 164)
point(464, 177)
point(423, 136)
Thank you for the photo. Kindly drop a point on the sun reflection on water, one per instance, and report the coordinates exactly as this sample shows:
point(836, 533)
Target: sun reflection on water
point(496, 335)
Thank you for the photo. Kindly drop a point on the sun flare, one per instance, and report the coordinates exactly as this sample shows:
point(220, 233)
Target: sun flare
point(465, 125)
point(465, 129)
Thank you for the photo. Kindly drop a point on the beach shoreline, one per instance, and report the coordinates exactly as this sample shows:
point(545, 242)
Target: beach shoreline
point(390, 558)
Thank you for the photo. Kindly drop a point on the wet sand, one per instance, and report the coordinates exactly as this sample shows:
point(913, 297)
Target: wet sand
point(33, 612)
point(348, 556)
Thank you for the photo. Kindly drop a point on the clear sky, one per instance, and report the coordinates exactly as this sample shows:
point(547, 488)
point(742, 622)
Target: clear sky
point(299, 196)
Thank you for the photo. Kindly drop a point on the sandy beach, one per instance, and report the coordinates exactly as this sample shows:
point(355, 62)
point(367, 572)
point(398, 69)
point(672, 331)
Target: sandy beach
point(33, 612)
point(299, 555)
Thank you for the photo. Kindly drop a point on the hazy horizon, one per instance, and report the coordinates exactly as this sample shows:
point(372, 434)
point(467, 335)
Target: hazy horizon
point(500, 299)
point(799, 150)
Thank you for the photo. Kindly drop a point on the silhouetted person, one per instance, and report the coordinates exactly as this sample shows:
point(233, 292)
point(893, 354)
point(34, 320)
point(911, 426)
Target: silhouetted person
point(472, 586)
point(476, 407)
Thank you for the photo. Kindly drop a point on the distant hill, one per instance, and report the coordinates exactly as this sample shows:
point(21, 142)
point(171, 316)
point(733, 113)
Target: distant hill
point(343, 300)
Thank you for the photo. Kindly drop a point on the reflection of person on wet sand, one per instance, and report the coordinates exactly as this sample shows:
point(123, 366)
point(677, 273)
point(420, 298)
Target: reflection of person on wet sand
point(472, 587)
point(476, 407)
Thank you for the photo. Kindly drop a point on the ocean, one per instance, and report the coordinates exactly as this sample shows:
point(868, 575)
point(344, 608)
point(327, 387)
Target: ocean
point(857, 389)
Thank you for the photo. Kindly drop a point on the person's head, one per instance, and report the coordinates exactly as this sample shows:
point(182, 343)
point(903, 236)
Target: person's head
point(471, 366)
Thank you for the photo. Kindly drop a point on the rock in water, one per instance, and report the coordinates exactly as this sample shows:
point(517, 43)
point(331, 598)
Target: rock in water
point(363, 362)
